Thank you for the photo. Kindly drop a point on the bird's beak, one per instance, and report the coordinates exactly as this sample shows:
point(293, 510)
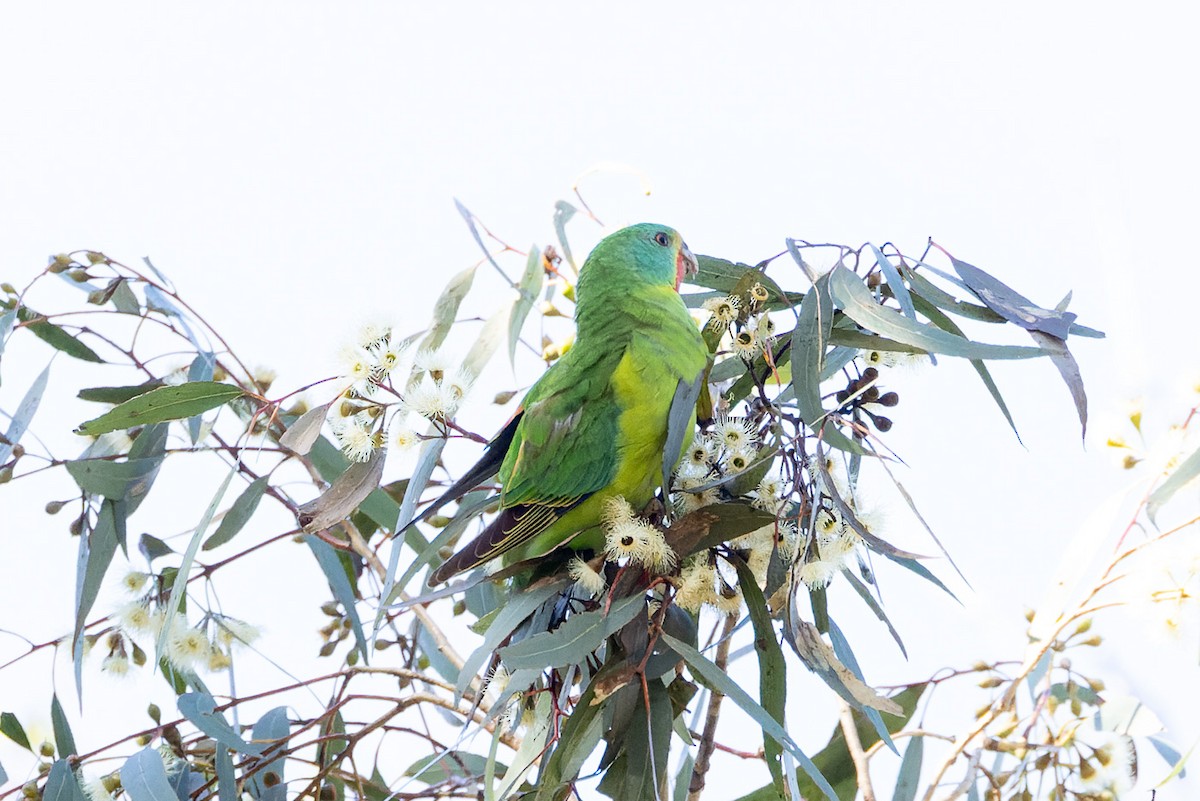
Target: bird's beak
point(687, 265)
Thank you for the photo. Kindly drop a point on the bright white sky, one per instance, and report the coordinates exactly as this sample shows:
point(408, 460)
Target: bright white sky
point(292, 166)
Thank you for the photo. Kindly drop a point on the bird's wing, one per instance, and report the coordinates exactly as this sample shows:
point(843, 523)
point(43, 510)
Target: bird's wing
point(564, 449)
point(487, 466)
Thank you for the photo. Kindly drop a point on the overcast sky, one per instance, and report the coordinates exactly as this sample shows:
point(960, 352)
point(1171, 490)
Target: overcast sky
point(292, 167)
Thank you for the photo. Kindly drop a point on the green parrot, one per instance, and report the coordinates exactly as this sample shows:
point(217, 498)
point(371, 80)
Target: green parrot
point(595, 424)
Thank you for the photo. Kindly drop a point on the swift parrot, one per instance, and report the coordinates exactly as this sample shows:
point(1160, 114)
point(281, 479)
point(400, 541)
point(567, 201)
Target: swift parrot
point(595, 424)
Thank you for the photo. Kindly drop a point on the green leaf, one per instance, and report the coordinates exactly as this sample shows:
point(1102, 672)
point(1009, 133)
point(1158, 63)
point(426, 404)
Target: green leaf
point(681, 424)
point(834, 759)
point(1183, 475)
point(113, 480)
point(772, 670)
point(910, 770)
point(451, 765)
point(573, 641)
point(339, 582)
point(719, 681)
point(64, 741)
point(144, 777)
point(529, 287)
point(11, 728)
point(859, 305)
point(513, 612)
point(808, 344)
point(162, 404)
point(96, 551)
point(639, 773)
point(63, 785)
point(563, 212)
point(179, 586)
point(895, 283)
point(58, 338)
point(577, 740)
point(239, 513)
point(118, 394)
point(201, 710)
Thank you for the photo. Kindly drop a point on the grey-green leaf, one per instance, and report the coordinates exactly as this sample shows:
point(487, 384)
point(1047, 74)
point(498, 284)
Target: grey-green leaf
point(574, 640)
point(859, 305)
point(343, 496)
point(239, 513)
point(64, 741)
point(201, 710)
point(144, 777)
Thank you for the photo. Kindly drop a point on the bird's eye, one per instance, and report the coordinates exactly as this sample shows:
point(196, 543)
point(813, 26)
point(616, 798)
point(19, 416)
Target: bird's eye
point(662, 238)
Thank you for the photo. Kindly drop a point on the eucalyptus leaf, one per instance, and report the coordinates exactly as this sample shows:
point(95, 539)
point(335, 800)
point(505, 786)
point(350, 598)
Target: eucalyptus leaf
point(201, 710)
point(162, 404)
point(24, 414)
point(895, 283)
point(1182, 475)
point(64, 741)
point(720, 681)
point(118, 394)
point(343, 591)
point(574, 640)
point(144, 777)
point(63, 785)
point(529, 288)
point(858, 304)
point(11, 728)
point(301, 435)
point(238, 515)
point(343, 496)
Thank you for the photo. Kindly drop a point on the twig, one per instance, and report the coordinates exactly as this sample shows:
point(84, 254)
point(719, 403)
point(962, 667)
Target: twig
point(708, 741)
point(854, 745)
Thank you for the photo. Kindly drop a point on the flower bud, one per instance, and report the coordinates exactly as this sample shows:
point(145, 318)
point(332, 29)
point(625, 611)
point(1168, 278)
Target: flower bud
point(54, 507)
point(46, 749)
point(154, 712)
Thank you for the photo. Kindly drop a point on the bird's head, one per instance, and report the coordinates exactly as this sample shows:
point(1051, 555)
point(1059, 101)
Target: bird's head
point(646, 252)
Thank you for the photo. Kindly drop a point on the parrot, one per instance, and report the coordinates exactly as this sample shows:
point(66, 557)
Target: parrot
point(595, 425)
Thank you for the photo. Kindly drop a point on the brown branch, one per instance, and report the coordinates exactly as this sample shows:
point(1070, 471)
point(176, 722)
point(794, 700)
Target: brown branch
point(708, 740)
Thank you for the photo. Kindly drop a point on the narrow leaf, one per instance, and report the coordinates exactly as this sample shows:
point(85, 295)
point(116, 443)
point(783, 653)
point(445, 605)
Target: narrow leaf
point(895, 283)
point(344, 495)
point(179, 586)
point(11, 728)
point(772, 670)
point(574, 640)
point(25, 411)
point(1012, 305)
point(64, 741)
point(529, 288)
point(1183, 475)
point(117, 394)
point(718, 680)
point(910, 770)
point(858, 304)
point(1068, 368)
point(59, 339)
point(563, 212)
point(681, 424)
point(113, 480)
point(239, 513)
point(226, 779)
point(162, 404)
point(96, 551)
point(339, 582)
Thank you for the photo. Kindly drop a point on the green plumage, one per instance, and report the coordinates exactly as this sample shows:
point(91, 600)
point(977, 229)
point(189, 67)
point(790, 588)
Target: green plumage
point(595, 424)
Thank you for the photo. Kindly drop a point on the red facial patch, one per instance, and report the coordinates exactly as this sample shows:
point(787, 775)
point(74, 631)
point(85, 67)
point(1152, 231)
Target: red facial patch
point(680, 266)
